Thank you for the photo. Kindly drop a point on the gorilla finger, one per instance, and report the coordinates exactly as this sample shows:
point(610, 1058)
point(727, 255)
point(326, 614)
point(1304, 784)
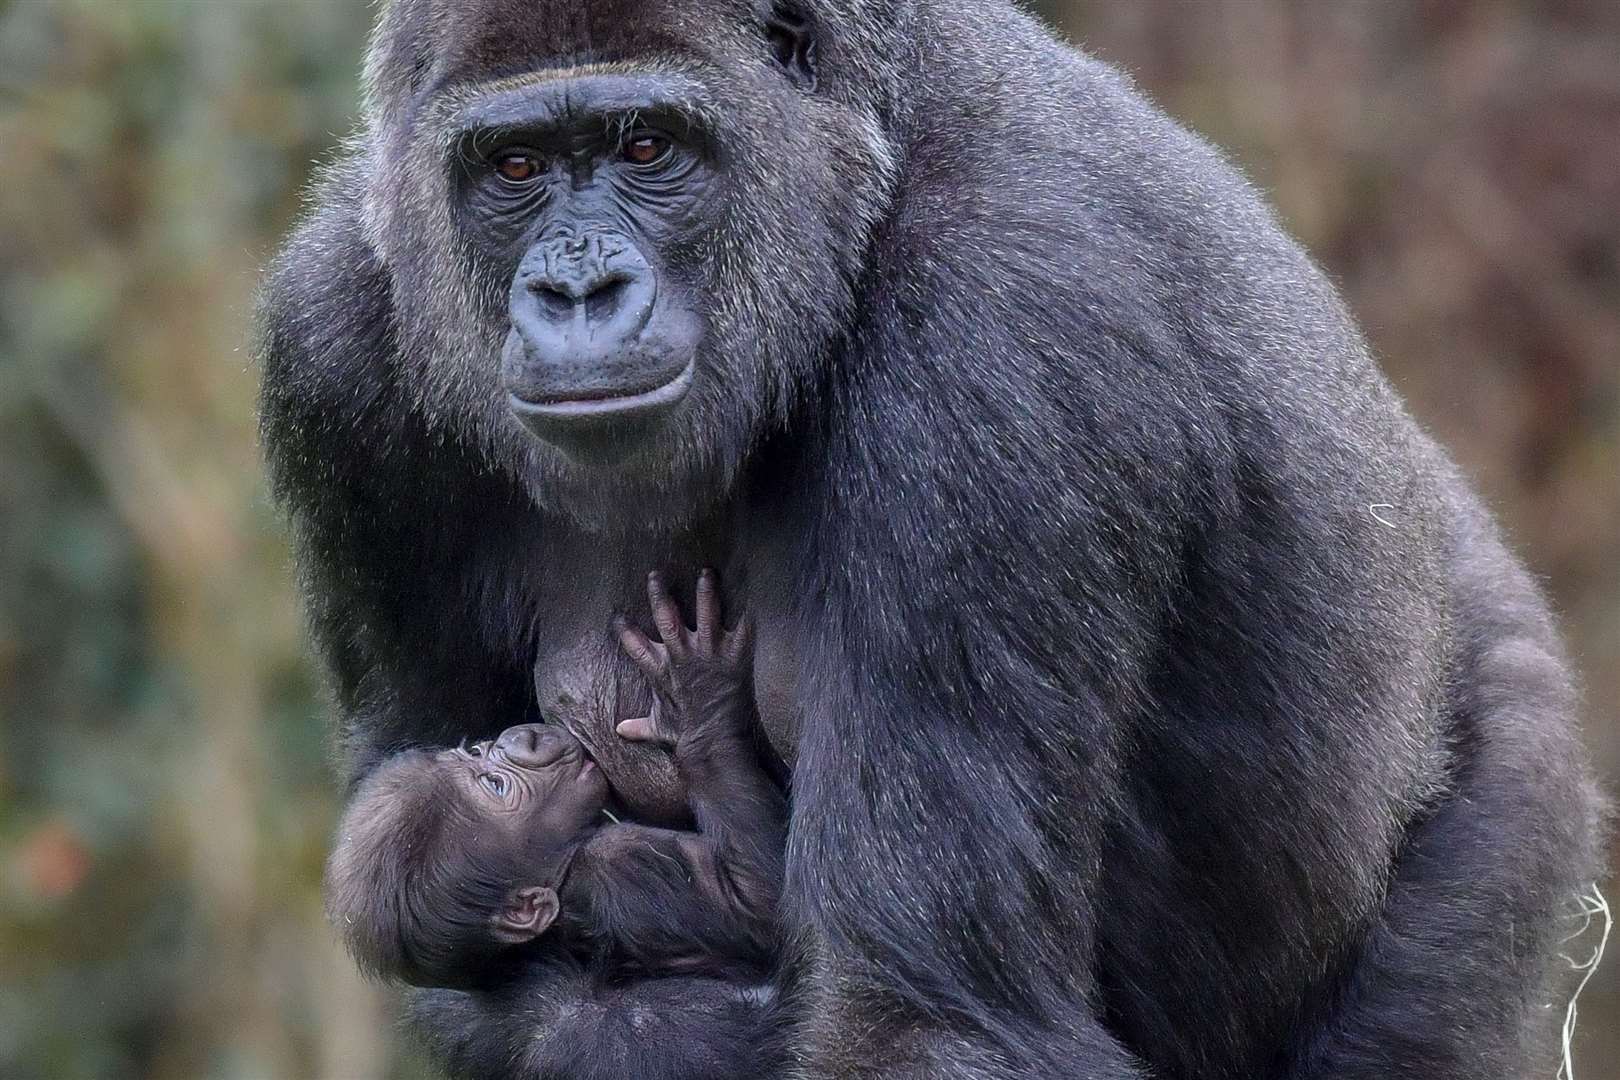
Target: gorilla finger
point(638, 729)
point(708, 607)
point(640, 649)
point(666, 613)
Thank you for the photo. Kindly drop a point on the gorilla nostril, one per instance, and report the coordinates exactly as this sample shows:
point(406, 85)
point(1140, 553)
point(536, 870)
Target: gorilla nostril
point(601, 304)
point(554, 303)
point(548, 750)
point(558, 300)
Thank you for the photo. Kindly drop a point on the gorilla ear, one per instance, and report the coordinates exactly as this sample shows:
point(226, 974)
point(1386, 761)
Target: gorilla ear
point(793, 43)
point(528, 913)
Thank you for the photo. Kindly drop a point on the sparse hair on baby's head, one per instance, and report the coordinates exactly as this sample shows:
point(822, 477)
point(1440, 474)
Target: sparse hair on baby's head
point(412, 885)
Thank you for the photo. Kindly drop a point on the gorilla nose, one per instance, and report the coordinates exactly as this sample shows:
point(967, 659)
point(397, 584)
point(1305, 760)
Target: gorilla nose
point(579, 303)
point(595, 296)
point(532, 745)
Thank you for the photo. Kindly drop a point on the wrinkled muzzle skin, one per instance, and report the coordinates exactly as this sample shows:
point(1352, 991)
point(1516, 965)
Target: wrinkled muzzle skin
point(794, 186)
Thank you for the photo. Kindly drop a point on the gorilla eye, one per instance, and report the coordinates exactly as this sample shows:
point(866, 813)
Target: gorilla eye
point(646, 150)
point(517, 168)
point(494, 782)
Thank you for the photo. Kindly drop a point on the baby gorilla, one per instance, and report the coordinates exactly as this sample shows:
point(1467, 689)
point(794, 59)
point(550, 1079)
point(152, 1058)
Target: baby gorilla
point(492, 865)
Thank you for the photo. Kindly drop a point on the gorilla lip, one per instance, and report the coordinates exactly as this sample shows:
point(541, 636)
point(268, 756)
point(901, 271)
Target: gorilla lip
point(615, 407)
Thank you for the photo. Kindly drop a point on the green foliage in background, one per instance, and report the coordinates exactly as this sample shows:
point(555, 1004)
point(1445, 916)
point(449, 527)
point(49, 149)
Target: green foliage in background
point(165, 800)
point(165, 792)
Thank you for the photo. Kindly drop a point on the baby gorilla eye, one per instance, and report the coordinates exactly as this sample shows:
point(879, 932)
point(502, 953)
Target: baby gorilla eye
point(518, 168)
point(495, 782)
point(646, 150)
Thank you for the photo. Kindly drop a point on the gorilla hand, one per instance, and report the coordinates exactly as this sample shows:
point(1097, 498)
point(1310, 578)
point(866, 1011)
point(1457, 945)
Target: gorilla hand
point(701, 679)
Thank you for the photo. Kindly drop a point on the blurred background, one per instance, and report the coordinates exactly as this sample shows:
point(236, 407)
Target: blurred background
point(165, 793)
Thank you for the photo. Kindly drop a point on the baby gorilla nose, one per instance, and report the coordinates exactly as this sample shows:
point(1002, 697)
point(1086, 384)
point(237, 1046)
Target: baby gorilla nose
point(533, 745)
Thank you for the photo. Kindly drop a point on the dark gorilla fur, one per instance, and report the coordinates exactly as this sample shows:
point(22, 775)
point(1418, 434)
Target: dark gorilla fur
point(1160, 700)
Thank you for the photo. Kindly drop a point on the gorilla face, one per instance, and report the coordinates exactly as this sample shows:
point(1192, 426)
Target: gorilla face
point(622, 236)
point(589, 190)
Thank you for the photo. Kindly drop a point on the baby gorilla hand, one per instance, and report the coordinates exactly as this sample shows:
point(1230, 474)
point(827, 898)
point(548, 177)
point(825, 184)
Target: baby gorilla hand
point(701, 679)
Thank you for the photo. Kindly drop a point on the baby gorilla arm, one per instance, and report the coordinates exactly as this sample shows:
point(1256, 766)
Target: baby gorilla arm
point(704, 709)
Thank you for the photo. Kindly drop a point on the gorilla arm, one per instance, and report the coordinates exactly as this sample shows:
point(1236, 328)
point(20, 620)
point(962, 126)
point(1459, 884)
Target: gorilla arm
point(386, 516)
point(561, 1023)
point(961, 744)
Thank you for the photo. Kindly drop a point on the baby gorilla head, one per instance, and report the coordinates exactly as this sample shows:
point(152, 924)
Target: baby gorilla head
point(446, 858)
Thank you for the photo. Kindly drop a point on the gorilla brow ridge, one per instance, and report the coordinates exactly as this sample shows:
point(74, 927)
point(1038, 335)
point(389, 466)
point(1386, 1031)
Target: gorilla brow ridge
point(462, 133)
point(684, 91)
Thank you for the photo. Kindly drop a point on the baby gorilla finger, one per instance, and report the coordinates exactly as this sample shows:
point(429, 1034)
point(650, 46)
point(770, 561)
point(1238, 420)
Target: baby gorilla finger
point(640, 729)
point(738, 646)
point(708, 608)
point(666, 614)
point(648, 655)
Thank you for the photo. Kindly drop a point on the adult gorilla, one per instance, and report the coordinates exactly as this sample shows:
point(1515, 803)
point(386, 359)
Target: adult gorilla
point(1160, 701)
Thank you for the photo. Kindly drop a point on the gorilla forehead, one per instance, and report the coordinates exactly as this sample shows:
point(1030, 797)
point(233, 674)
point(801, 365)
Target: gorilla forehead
point(495, 38)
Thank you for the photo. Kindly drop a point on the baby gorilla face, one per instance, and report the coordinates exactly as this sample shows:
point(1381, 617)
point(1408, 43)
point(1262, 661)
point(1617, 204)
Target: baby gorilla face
point(534, 783)
point(444, 858)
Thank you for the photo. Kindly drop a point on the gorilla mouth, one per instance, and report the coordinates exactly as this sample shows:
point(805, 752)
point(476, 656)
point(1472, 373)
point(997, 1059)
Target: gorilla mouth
point(634, 405)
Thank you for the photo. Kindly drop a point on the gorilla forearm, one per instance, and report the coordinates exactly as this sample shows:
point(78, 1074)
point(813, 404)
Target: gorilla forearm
point(384, 571)
point(555, 1026)
point(906, 977)
point(867, 1035)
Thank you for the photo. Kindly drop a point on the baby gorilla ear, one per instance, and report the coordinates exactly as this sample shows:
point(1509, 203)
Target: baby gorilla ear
point(529, 911)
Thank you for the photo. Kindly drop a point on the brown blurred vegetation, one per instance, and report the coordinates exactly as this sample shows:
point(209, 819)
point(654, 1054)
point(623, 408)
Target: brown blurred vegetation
point(164, 791)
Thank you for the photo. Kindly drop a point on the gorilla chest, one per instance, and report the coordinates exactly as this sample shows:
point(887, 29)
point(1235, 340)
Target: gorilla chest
point(583, 683)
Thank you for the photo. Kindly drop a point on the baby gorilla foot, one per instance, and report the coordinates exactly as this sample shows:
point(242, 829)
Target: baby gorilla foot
point(701, 679)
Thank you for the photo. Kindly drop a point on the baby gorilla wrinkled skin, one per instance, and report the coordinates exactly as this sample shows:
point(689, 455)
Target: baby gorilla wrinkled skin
point(493, 868)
